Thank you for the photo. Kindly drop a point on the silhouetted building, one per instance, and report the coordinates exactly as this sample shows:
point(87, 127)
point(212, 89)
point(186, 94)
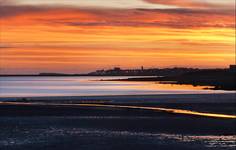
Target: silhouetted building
point(142, 68)
point(232, 68)
point(117, 69)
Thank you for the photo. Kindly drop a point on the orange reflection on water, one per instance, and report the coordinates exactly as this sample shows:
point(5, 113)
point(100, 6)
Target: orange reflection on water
point(144, 85)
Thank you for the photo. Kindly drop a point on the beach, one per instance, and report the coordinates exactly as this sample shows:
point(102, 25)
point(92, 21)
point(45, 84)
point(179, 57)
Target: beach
point(90, 113)
point(90, 122)
point(117, 75)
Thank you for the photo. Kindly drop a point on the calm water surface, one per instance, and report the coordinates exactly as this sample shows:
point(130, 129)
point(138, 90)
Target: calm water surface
point(87, 86)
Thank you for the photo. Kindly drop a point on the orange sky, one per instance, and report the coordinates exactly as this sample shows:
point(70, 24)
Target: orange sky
point(60, 38)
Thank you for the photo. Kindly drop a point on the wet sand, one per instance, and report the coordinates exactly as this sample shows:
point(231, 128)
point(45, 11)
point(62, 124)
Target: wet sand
point(75, 124)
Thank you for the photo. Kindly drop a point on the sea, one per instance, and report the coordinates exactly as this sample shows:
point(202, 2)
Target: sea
point(27, 86)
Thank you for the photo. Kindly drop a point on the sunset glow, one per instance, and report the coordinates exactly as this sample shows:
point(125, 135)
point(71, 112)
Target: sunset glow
point(81, 36)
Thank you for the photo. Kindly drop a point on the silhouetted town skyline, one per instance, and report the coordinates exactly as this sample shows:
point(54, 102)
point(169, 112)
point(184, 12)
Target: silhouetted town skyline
point(153, 71)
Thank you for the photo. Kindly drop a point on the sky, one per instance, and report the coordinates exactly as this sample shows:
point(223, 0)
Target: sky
point(79, 36)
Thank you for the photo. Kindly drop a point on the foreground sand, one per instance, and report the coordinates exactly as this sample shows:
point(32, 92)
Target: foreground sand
point(47, 123)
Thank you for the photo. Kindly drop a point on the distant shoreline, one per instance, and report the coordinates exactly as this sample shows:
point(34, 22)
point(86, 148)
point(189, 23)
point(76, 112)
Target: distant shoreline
point(227, 86)
point(126, 72)
point(80, 75)
point(221, 80)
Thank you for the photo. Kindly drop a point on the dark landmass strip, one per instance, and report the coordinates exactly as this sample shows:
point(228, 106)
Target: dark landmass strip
point(125, 118)
point(71, 109)
point(144, 72)
point(220, 79)
point(213, 98)
point(218, 103)
point(131, 72)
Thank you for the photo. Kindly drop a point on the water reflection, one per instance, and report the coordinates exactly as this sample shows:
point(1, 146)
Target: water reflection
point(51, 135)
point(84, 86)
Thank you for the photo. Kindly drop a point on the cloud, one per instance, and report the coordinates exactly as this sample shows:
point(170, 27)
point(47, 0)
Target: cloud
point(118, 4)
point(8, 11)
point(6, 2)
point(223, 4)
point(171, 18)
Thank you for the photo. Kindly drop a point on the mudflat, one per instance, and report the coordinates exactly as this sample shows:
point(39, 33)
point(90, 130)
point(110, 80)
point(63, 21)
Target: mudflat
point(90, 122)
